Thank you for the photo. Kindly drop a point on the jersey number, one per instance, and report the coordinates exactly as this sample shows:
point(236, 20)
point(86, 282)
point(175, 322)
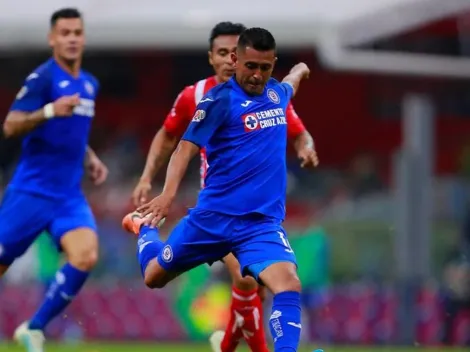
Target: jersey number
point(285, 242)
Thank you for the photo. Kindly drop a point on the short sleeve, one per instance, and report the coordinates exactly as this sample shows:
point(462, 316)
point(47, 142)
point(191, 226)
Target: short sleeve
point(181, 113)
point(287, 89)
point(210, 114)
point(33, 95)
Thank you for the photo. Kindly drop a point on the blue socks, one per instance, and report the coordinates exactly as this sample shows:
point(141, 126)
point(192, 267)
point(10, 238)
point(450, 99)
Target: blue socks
point(68, 281)
point(285, 321)
point(149, 246)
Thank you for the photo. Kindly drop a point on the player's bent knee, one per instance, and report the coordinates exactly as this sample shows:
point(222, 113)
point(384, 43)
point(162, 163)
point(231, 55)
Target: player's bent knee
point(281, 277)
point(293, 284)
point(155, 276)
point(81, 248)
point(244, 283)
point(84, 260)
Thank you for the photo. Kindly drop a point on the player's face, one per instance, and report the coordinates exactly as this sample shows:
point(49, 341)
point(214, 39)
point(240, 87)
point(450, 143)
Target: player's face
point(253, 68)
point(67, 39)
point(220, 58)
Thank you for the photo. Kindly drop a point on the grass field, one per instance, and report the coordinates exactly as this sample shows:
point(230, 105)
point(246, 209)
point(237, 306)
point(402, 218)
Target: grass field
point(129, 347)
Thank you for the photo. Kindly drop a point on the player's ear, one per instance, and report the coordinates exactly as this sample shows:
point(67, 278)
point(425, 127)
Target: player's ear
point(274, 62)
point(209, 55)
point(234, 58)
point(50, 38)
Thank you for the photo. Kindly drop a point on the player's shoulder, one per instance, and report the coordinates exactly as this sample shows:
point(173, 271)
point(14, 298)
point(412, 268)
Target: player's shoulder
point(222, 91)
point(273, 82)
point(274, 86)
point(218, 96)
point(42, 73)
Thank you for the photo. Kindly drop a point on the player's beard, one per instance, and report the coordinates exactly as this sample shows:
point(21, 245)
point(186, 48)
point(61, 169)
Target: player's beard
point(255, 88)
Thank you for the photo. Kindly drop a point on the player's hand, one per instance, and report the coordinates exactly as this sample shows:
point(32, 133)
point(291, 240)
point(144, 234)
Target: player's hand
point(63, 107)
point(97, 170)
point(302, 68)
point(308, 157)
point(141, 192)
point(157, 209)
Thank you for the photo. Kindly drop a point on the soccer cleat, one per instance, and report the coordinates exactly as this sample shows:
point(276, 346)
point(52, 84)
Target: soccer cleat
point(32, 340)
point(216, 340)
point(132, 222)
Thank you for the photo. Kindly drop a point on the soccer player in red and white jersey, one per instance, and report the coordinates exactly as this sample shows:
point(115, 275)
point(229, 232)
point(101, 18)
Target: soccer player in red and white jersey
point(246, 308)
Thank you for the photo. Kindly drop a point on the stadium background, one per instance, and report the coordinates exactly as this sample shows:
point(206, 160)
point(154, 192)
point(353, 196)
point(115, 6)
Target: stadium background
point(349, 220)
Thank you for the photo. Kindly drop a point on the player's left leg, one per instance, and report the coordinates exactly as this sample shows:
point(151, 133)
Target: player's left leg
point(246, 313)
point(74, 231)
point(194, 241)
point(268, 257)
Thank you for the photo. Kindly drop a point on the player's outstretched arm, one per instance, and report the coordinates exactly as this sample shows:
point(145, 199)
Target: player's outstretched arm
point(19, 122)
point(177, 167)
point(296, 74)
point(158, 207)
point(163, 144)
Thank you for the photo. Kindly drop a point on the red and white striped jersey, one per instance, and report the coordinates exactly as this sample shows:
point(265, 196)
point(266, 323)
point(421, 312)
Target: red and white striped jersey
point(184, 107)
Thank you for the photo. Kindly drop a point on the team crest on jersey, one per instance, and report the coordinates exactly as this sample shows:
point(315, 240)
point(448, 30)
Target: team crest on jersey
point(251, 122)
point(273, 96)
point(167, 254)
point(89, 88)
point(199, 115)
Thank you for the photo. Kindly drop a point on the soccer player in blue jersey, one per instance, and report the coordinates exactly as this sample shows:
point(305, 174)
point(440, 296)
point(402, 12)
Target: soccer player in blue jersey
point(242, 123)
point(53, 111)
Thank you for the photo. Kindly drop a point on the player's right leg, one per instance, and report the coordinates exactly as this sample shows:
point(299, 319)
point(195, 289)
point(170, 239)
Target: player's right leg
point(246, 314)
point(23, 217)
point(194, 241)
point(264, 252)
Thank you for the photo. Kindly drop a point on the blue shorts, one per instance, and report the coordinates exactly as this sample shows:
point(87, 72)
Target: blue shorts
point(206, 237)
point(23, 216)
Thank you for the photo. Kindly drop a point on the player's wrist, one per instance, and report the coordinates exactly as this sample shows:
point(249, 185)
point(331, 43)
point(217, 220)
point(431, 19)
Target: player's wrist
point(48, 111)
point(169, 195)
point(145, 179)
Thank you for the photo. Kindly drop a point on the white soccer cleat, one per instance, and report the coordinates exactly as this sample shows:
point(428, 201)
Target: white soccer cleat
point(216, 340)
point(32, 340)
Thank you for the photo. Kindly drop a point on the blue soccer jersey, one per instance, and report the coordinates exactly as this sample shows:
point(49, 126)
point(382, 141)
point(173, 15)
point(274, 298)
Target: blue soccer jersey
point(245, 137)
point(52, 157)
point(45, 192)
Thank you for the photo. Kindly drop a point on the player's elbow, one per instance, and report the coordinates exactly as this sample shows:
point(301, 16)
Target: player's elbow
point(154, 277)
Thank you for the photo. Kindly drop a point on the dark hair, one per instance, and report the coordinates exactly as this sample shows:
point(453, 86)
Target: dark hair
point(64, 13)
point(225, 28)
point(257, 38)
